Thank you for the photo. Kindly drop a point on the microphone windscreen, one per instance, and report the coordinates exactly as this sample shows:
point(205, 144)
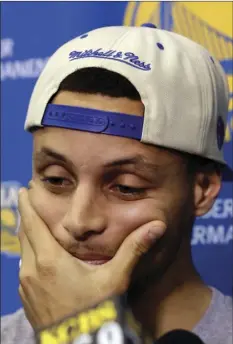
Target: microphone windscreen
point(179, 337)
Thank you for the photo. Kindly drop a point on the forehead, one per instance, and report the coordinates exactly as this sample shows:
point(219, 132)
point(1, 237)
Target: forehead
point(100, 102)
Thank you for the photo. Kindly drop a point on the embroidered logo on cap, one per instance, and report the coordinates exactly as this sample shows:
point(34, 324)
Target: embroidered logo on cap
point(129, 57)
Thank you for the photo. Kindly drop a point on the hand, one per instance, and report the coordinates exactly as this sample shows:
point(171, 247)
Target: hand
point(54, 284)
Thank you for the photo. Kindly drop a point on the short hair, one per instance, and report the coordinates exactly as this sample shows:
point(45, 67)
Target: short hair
point(94, 80)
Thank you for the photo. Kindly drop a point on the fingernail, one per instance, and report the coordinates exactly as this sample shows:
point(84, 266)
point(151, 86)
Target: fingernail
point(156, 232)
point(21, 190)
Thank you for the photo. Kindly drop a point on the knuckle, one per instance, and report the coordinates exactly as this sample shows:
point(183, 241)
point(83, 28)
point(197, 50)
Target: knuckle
point(45, 267)
point(139, 248)
point(26, 279)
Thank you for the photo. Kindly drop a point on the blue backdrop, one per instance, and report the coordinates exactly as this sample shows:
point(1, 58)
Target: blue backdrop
point(30, 33)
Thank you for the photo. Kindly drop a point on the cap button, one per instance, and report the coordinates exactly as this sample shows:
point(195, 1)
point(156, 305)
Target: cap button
point(149, 25)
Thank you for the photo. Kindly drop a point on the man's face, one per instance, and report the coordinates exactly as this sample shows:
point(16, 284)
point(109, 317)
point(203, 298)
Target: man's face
point(93, 190)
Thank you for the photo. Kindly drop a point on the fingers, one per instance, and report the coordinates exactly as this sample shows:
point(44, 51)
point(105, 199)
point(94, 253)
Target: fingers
point(134, 246)
point(38, 234)
point(27, 266)
point(27, 254)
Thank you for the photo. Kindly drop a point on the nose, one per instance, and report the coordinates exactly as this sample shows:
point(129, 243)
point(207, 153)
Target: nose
point(85, 216)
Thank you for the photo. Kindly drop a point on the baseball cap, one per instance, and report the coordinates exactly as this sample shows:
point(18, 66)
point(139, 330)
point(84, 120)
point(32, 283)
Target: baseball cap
point(183, 88)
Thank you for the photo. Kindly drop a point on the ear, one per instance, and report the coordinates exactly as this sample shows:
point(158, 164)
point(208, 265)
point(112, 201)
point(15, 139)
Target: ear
point(206, 190)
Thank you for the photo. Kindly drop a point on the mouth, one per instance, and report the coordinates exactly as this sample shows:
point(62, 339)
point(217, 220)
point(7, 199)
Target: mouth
point(93, 259)
point(95, 262)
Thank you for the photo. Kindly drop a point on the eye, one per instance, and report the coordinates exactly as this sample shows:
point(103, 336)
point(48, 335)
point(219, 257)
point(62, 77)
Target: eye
point(57, 181)
point(129, 192)
point(129, 189)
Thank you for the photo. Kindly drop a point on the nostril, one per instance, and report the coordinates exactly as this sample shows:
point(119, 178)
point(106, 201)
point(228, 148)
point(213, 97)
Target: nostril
point(86, 235)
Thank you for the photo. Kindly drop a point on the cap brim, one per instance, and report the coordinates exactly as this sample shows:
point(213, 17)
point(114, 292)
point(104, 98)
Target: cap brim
point(227, 174)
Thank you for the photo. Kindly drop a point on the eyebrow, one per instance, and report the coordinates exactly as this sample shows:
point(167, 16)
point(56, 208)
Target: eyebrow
point(48, 153)
point(137, 161)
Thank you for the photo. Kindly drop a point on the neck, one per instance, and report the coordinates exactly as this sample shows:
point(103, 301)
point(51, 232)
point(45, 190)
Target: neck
point(179, 300)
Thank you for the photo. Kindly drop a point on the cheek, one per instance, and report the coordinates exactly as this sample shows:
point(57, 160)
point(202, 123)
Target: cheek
point(173, 208)
point(127, 217)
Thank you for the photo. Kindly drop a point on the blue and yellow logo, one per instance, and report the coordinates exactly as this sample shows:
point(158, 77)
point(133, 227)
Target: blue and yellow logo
point(208, 23)
point(10, 219)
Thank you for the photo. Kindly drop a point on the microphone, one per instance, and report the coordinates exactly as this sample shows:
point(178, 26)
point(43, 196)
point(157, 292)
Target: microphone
point(179, 337)
point(109, 322)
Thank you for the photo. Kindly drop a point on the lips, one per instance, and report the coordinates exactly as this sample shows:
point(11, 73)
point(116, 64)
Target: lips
point(95, 262)
point(93, 259)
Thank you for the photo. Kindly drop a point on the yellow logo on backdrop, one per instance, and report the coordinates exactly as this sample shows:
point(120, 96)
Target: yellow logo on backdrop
point(208, 23)
point(10, 218)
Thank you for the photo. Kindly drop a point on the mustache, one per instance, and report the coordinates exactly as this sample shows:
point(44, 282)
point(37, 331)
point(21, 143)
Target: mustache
point(82, 248)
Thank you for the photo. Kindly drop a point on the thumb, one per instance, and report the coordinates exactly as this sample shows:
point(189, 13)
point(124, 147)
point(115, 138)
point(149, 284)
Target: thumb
point(134, 246)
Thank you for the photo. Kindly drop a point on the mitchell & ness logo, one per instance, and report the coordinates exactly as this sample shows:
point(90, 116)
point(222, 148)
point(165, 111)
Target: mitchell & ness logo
point(129, 57)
